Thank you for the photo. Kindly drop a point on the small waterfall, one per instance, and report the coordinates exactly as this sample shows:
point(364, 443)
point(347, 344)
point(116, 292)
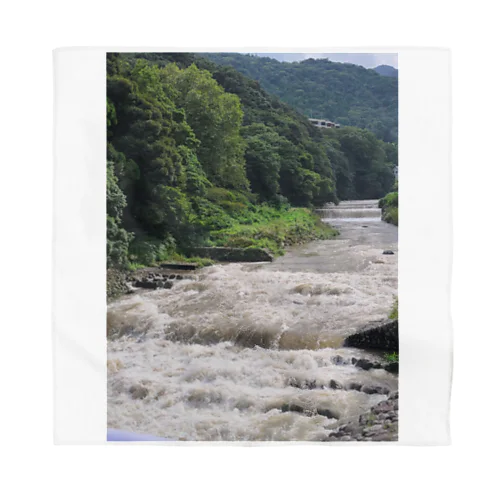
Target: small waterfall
point(349, 210)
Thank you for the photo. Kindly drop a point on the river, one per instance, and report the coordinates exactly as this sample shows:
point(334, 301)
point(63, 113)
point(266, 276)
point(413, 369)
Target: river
point(221, 355)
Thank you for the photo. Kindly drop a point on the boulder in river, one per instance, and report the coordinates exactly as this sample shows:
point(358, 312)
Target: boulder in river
point(383, 336)
point(335, 385)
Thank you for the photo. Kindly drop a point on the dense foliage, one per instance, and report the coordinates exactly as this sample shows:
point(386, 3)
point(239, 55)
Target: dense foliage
point(390, 209)
point(344, 93)
point(386, 70)
point(199, 154)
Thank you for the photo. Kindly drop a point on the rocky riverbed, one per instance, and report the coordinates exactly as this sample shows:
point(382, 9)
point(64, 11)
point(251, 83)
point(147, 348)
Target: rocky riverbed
point(378, 424)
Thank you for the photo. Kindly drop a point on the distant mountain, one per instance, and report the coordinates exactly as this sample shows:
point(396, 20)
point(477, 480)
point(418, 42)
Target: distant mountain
point(385, 70)
point(319, 88)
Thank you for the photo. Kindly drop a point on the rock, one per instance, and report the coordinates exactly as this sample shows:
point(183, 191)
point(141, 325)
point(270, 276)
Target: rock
point(346, 429)
point(138, 392)
point(383, 407)
point(324, 412)
point(116, 283)
point(354, 386)
point(387, 252)
point(292, 407)
point(338, 360)
point(146, 284)
point(375, 425)
point(373, 429)
point(364, 364)
point(371, 389)
point(308, 384)
point(392, 367)
point(383, 336)
point(335, 385)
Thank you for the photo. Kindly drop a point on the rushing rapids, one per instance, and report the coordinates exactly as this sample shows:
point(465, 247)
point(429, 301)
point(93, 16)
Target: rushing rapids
point(249, 351)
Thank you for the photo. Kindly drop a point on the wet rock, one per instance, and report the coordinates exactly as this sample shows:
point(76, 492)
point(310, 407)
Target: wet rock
point(392, 367)
point(147, 283)
point(387, 252)
point(292, 407)
point(371, 389)
point(335, 385)
point(371, 430)
point(308, 384)
point(383, 407)
point(324, 412)
point(364, 364)
point(382, 336)
point(373, 425)
point(338, 360)
point(354, 386)
point(138, 392)
point(116, 283)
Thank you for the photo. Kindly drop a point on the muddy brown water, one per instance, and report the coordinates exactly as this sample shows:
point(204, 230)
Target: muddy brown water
point(219, 355)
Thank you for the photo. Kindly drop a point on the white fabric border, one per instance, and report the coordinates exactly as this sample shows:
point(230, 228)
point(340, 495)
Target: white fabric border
point(79, 267)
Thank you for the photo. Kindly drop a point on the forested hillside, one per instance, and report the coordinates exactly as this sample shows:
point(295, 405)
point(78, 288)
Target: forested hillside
point(344, 93)
point(199, 154)
point(386, 70)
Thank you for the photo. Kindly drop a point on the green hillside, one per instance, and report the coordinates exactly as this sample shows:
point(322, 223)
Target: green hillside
point(319, 88)
point(199, 154)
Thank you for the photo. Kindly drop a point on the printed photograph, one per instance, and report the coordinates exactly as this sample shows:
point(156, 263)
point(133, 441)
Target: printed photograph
point(252, 247)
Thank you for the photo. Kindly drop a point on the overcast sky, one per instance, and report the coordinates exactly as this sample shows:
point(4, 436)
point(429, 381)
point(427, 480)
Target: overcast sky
point(367, 60)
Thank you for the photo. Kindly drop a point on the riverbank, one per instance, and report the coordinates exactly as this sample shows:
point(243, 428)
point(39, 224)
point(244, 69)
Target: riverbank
point(257, 235)
point(381, 423)
point(389, 207)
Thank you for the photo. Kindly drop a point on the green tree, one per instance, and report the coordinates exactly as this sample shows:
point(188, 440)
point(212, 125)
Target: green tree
point(117, 238)
point(215, 117)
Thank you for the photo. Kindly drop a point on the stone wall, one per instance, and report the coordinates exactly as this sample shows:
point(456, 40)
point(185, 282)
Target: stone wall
point(223, 254)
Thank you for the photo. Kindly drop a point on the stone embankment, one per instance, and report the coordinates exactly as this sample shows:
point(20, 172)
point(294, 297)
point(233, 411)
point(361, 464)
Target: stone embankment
point(383, 336)
point(227, 254)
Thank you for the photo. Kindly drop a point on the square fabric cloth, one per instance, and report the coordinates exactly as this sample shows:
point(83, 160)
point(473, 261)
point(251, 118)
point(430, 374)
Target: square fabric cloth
point(243, 251)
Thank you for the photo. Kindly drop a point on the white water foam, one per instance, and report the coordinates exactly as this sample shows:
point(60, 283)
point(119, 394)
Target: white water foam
point(217, 357)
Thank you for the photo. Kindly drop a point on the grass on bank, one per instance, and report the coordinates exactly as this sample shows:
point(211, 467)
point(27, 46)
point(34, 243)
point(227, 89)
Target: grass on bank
point(390, 208)
point(252, 226)
point(275, 230)
point(395, 308)
point(391, 357)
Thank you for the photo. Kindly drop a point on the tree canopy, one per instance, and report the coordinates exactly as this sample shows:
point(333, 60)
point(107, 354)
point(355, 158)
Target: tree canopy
point(319, 88)
point(194, 146)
